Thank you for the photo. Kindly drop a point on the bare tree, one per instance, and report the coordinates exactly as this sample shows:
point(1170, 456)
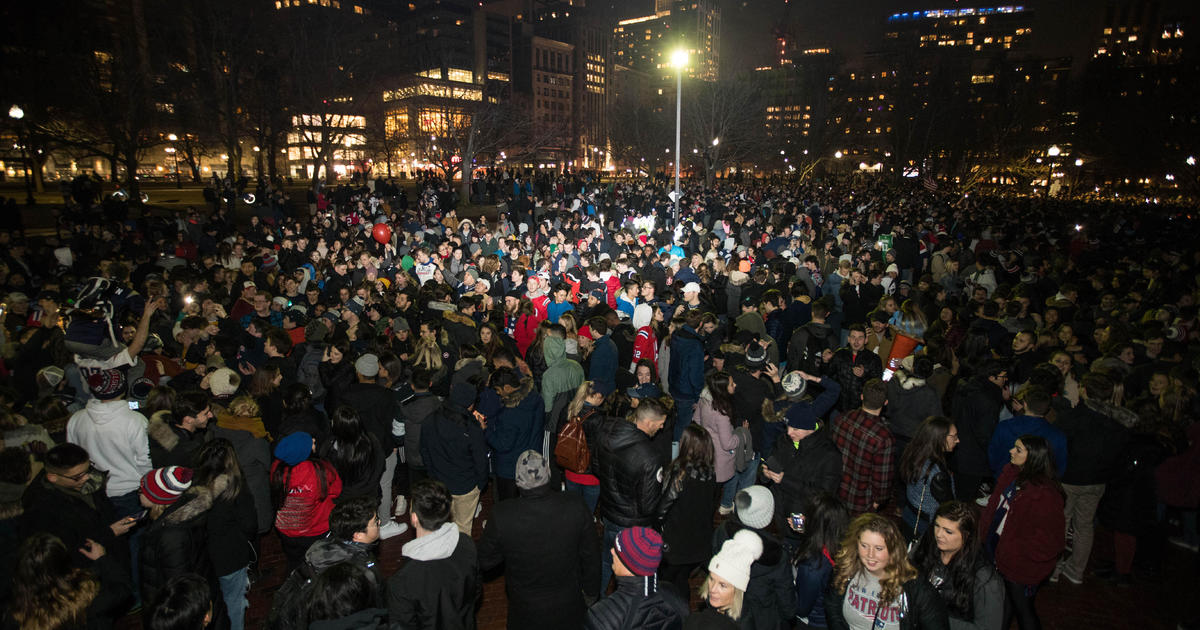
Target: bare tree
point(723, 121)
point(637, 133)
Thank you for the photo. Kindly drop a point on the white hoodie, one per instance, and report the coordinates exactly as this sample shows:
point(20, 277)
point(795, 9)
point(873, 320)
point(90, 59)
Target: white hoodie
point(115, 438)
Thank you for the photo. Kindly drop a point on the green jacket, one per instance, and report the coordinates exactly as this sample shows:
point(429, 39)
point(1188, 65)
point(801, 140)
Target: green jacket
point(562, 374)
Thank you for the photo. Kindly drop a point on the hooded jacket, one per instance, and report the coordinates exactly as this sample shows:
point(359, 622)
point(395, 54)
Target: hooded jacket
point(686, 371)
point(171, 445)
point(415, 413)
point(176, 543)
point(910, 400)
point(975, 411)
point(453, 449)
point(305, 512)
point(645, 344)
point(439, 584)
point(515, 423)
point(115, 438)
point(562, 374)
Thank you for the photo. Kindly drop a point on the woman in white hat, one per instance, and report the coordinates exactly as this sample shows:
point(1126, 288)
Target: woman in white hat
point(724, 589)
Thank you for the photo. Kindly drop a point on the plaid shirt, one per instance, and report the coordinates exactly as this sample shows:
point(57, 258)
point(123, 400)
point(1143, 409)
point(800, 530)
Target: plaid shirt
point(867, 460)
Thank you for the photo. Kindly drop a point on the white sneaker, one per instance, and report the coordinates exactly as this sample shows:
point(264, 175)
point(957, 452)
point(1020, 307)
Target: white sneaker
point(725, 511)
point(392, 528)
point(401, 505)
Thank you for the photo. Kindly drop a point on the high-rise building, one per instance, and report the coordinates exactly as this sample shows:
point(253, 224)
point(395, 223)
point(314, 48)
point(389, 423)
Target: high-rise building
point(645, 43)
point(985, 30)
point(1137, 110)
point(571, 22)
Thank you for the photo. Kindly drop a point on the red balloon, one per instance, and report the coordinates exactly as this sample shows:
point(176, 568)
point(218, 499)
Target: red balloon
point(382, 233)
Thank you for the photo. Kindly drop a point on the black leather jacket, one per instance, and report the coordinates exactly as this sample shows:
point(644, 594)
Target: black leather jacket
point(629, 470)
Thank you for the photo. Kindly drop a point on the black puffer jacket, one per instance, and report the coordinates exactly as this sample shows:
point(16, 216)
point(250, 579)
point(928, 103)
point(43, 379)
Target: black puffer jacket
point(920, 608)
point(629, 470)
point(770, 598)
point(176, 543)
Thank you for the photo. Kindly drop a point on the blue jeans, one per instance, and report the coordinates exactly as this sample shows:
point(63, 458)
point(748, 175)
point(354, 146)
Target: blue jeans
point(683, 417)
point(590, 494)
point(610, 537)
point(233, 591)
point(128, 505)
point(740, 481)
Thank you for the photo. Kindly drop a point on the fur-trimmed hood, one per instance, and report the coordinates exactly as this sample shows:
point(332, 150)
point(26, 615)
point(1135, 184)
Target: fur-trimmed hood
point(159, 430)
point(462, 364)
point(907, 381)
point(198, 500)
point(518, 394)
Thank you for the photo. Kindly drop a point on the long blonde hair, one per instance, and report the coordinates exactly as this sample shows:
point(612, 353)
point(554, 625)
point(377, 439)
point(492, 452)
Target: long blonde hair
point(898, 568)
point(585, 389)
point(734, 611)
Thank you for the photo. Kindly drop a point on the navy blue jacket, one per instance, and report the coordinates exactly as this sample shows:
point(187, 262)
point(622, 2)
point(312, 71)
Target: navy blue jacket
point(602, 367)
point(686, 370)
point(454, 451)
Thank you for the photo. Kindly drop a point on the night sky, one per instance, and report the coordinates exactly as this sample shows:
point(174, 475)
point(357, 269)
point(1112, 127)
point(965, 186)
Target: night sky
point(851, 27)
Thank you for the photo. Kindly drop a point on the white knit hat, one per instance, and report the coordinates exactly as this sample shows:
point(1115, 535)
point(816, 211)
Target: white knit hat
point(733, 562)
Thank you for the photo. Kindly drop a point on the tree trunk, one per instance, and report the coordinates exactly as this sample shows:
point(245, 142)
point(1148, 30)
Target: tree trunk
point(130, 159)
point(38, 163)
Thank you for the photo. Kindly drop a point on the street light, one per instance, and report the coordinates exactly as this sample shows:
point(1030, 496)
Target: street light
point(1052, 152)
point(838, 154)
point(1191, 160)
point(679, 59)
point(174, 164)
point(174, 158)
point(17, 114)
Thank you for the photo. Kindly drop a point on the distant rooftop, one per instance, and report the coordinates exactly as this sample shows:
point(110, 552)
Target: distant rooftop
point(945, 13)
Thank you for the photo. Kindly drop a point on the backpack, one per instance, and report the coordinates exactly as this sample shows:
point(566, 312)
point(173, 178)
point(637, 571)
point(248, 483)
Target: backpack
point(814, 347)
point(571, 452)
point(289, 607)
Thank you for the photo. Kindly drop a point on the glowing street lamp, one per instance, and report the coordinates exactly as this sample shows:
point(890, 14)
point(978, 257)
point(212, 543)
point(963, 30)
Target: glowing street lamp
point(1054, 151)
point(679, 59)
point(16, 113)
point(1191, 160)
point(838, 154)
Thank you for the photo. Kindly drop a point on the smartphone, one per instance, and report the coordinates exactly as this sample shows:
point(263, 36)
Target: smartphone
point(133, 404)
point(140, 515)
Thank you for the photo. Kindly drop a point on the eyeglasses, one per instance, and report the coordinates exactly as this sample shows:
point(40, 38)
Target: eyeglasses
point(83, 475)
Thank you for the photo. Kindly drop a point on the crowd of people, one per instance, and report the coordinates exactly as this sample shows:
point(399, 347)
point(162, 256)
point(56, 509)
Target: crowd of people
point(838, 404)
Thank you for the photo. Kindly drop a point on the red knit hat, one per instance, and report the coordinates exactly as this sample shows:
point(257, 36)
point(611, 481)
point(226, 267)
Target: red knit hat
point(640, 550)
point(162, 486)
